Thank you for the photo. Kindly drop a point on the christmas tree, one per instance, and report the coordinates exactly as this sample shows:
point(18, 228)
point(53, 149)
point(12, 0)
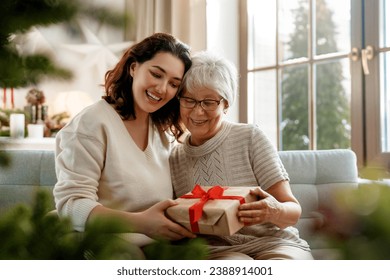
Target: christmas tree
point(19, 16)
point(21, 67)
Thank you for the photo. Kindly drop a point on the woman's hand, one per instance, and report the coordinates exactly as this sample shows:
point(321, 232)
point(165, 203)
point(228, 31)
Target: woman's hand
point(277, 205)
point(266, 209)
point(155, 224)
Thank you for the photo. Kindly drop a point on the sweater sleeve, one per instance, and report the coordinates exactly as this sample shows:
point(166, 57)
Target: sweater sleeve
point(267, 166)
point(79, 161)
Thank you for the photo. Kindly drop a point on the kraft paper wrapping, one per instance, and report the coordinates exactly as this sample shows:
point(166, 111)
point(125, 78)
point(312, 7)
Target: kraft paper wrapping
point(219, 216)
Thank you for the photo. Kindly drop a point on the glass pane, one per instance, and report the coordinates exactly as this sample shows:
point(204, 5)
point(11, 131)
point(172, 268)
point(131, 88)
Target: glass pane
point(261, 33)
point(265, 102)
point(294, 124)
point(333, 96)
point(385, 102)
point(384, 24)
point(293, 29)
point(333, 20)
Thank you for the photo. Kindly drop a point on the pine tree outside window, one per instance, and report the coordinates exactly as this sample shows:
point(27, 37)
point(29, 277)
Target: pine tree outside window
point(314, 74)
point(298, 78)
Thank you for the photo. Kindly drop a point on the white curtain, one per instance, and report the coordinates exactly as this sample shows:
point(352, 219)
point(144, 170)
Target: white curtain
point(185, 19)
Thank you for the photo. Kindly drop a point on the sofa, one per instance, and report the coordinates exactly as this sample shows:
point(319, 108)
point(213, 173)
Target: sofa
point(315, 177)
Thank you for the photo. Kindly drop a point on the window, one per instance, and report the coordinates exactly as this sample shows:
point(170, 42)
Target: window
point(304, 65)
point(375, 54)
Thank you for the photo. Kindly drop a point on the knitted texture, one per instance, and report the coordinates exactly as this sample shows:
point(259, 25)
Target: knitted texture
point(238, 155)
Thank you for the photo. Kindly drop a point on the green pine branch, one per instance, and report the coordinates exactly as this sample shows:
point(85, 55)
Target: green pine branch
point(33, 234)
point(19, 16)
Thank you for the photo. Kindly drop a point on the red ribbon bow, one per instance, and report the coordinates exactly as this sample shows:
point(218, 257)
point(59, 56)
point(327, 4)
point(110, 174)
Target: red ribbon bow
point(195, 211)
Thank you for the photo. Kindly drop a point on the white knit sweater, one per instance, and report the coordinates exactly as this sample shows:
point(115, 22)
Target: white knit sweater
point(97, 162)
point(238, 155)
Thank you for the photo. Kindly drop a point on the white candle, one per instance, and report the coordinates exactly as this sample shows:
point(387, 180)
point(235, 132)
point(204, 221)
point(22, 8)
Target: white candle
point(35, 130)
point(16, 123)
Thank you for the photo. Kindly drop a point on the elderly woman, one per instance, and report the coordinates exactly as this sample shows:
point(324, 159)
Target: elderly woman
point(218, 152)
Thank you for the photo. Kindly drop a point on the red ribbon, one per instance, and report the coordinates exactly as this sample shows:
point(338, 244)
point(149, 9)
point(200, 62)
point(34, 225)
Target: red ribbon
point(196, 210)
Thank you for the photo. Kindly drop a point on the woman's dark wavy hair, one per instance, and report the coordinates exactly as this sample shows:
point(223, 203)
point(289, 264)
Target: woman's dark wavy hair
point(118, 81)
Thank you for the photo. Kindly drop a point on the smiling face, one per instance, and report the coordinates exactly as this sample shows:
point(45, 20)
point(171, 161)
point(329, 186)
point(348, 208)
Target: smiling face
point(155, 81)
point(202, 124)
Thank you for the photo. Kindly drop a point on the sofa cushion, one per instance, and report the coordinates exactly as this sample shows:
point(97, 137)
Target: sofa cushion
point(27, 172)
point(315, 178)
point(320, 167)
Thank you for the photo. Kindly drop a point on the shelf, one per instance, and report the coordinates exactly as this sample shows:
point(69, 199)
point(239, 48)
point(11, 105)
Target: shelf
point(8, 143)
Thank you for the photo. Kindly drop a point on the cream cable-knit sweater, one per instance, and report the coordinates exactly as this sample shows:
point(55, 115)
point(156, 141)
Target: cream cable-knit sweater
point(238, 155)
point(97, 162)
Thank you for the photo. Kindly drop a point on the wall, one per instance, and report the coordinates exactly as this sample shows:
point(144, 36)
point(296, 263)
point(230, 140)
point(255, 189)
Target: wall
point(86, 48)
point(91, 50)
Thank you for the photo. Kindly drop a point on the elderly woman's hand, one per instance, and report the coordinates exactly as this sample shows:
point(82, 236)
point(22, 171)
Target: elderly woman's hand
point(266, 209)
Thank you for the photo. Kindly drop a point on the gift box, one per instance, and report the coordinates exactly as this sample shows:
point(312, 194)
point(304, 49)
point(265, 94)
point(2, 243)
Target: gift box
point(211, 210)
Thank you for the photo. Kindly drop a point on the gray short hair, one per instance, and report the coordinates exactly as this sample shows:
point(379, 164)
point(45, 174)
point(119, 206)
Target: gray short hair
point(214, 72)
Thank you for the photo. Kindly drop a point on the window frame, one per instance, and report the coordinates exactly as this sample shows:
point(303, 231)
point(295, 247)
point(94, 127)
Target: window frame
point(357, 106)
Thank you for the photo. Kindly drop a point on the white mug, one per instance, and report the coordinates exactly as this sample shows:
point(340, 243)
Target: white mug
point(16, 124)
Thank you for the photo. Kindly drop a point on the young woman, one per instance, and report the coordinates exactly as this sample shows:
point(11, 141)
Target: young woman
point(112, 158)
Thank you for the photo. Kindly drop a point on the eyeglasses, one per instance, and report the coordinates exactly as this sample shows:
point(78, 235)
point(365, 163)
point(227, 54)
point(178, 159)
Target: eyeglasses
point(206, 104)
